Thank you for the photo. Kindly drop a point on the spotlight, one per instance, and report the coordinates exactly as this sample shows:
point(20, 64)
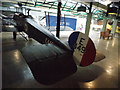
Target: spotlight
point(81, 9)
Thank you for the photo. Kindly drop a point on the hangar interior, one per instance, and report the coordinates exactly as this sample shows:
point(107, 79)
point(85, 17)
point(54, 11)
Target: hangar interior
point(38, 48)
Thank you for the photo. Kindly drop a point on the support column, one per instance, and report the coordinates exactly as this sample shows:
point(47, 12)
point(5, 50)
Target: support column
point(64, 22)
point(58, 19)
point(104, 25)
point(114, 26)
point(89, 18)
point(49, 20)
point(88, 23)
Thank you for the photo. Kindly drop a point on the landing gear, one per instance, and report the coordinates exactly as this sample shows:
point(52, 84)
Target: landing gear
point(14, 35)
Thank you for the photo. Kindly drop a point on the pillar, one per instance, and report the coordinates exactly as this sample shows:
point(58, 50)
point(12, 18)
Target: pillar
point(88, 23)
point(104, 25)
point(114, 26)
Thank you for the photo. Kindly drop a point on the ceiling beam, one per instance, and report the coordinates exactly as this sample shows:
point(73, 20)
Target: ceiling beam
point(95, 4)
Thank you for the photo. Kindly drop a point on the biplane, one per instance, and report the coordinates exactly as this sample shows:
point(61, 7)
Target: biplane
point(53, 60)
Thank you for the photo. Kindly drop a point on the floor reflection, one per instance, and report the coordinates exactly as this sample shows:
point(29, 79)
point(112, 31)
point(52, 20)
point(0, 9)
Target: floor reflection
point(17, 56)
point(17, 74)
point(90, 85)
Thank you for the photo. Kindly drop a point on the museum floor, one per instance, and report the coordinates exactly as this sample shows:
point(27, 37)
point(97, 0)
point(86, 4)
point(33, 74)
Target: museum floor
point(103, 74)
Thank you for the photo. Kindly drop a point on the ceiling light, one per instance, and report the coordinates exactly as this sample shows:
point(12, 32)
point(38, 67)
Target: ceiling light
point(81, 9)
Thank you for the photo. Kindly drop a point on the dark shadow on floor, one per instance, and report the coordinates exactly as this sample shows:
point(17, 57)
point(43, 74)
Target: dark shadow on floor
point(83, 74)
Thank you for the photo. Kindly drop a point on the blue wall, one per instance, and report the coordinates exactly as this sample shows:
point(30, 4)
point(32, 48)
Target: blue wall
point(70, 22)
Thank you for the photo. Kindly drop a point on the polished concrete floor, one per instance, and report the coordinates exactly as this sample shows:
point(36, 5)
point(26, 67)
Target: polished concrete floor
point(103, 74)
